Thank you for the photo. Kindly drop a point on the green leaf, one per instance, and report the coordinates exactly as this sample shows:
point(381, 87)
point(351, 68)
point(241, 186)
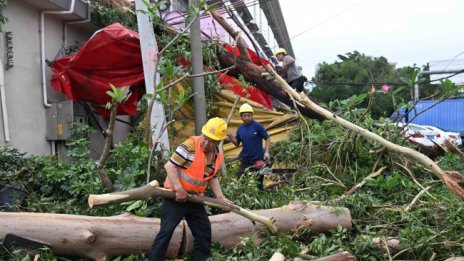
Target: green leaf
point(135, 205)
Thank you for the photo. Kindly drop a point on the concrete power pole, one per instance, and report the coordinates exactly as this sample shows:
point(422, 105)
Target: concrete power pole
point(197, 68)
point(149, 51)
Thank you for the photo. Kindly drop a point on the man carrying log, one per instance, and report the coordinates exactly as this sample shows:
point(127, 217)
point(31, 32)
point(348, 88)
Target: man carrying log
point(193, 166)
point(251, 134)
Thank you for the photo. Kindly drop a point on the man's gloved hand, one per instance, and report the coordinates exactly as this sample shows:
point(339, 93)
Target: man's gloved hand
point(267, 157)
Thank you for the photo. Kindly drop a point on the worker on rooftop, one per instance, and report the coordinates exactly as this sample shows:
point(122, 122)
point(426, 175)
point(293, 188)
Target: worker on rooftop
point(290, 71)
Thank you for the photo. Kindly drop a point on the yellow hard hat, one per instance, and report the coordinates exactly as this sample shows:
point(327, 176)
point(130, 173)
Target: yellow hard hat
point(280, 50)
point(215, 128)
point(245, 108)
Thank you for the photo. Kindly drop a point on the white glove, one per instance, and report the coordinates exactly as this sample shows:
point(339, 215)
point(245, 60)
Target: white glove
point(267, 157)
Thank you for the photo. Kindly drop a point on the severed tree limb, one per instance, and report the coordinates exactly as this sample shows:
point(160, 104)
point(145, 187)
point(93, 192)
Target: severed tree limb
point(152, 190)
point(408, 152)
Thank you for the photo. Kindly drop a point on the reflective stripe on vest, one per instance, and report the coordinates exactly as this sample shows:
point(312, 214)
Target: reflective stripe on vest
point(191, 180)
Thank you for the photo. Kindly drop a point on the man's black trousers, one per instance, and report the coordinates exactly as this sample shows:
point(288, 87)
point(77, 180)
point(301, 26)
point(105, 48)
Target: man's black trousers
point(298, 84)
point(198, 222)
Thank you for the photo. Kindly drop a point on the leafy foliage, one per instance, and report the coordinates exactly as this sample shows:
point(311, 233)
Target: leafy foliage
point(3, 19)
point(338, 161)
point(105, 14)
point(329, 160)
point(357, 74)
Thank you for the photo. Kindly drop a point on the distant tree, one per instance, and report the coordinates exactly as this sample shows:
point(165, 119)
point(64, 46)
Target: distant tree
point(356, 73)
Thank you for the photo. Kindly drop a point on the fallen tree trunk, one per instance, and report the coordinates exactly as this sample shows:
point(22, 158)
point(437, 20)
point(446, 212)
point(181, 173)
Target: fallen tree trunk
point(288, 219)
point(106, 237)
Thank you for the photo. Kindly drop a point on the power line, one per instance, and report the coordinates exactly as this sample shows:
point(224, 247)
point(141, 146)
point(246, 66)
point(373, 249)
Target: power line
point(328, 19)
point(361, 84)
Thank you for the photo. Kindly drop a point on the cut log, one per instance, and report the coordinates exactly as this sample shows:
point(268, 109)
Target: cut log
point(288, 219)
point(90, 237)
point(107, 237)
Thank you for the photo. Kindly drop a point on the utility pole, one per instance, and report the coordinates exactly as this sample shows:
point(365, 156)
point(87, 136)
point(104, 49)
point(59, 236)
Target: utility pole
point(197, 68)
point(149, 51)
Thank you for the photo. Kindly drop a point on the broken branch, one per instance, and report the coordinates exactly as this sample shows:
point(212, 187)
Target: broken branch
point(152, 190)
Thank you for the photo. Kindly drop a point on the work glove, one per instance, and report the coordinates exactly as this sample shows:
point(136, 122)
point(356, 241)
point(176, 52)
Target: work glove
point(267, 157)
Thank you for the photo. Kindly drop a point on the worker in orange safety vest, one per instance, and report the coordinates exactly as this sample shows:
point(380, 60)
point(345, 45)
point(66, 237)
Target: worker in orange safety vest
point(193, 165)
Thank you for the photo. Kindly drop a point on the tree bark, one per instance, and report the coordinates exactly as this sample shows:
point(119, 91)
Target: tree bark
point(106, 181)
point(290, 218)
point(107, 237)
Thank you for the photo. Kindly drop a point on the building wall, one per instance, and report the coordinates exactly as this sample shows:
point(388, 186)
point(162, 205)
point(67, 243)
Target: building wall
point(24, 98)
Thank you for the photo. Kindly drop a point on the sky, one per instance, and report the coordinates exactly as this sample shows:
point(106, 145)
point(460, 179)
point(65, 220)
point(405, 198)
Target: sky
point(406, 32)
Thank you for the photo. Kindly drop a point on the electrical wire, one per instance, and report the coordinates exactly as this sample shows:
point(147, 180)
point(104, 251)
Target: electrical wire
point(362, 84)
point(320, 23)
point(449, 76)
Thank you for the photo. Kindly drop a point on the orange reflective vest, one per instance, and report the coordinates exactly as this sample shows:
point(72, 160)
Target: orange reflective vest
point(192, 179)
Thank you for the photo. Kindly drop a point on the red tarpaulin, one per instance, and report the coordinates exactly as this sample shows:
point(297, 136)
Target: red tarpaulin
point(111, 55)
point(250, 92)
point(231, 83)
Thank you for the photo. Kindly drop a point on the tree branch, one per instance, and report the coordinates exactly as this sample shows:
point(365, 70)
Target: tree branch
point(408, 152)
point(153, 190)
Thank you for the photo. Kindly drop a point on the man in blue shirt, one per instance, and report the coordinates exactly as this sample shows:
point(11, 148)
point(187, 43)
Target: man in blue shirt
point(251, 135)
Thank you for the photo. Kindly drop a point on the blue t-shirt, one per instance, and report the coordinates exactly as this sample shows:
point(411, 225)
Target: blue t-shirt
point(251, 136)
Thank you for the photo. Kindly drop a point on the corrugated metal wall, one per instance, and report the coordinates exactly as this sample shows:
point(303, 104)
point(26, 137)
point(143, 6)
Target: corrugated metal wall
point(447, 115)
